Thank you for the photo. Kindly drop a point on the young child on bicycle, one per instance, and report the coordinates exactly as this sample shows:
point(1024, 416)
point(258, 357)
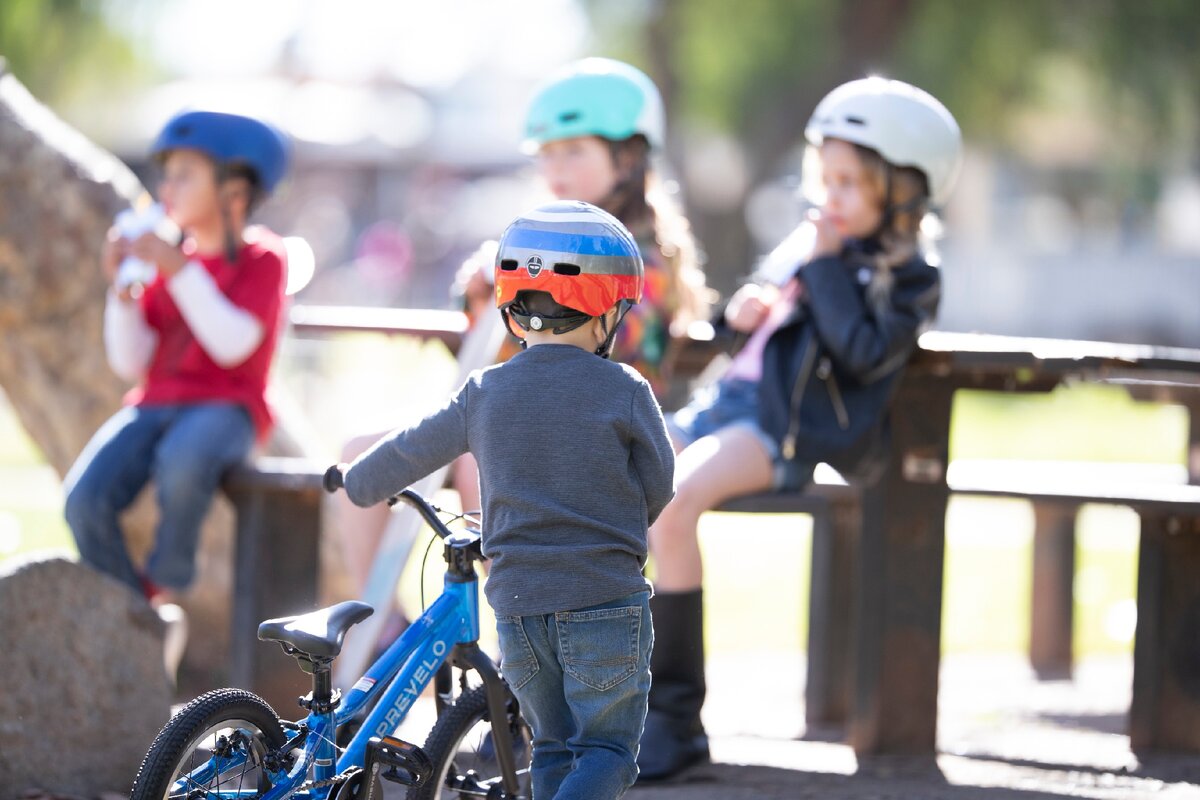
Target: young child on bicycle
point(575, 463)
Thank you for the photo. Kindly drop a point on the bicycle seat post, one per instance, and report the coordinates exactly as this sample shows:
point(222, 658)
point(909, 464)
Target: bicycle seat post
point(323, 698)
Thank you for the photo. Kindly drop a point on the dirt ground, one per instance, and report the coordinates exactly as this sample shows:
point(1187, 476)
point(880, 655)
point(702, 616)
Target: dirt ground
point(1003, 735)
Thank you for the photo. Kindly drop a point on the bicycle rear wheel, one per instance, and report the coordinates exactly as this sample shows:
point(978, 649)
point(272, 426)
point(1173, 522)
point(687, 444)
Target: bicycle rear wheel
point(464, 755)
point(214, 747)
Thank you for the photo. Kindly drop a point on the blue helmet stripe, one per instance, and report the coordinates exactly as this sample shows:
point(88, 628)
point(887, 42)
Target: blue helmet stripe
point(602, 243)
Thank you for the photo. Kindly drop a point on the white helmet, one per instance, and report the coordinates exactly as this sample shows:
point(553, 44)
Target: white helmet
point(905, 125)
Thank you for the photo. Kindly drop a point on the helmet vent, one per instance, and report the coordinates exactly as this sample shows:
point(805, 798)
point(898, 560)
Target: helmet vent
point(566, 269)
point(508, 264)
point(856, 120)
point(569, 116)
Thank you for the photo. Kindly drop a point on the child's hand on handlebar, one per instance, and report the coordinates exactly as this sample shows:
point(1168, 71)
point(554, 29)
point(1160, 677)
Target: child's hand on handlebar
point(334, 478)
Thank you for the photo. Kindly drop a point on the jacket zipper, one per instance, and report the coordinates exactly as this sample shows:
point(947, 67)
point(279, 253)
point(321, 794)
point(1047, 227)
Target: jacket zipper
point(825, 373)
point(788, 447)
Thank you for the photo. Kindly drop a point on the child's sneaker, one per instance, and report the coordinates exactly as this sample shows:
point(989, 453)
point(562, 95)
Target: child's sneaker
point(175, 636)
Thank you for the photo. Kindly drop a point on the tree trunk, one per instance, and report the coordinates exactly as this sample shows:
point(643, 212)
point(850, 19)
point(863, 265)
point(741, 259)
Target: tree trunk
point(58, 196)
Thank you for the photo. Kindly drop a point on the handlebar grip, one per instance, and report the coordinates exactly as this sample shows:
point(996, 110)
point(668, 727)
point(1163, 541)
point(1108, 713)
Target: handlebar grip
point(333, 479)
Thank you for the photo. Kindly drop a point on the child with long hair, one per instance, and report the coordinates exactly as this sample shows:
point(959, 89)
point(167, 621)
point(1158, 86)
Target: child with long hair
point(593, 128)
point(827, 340)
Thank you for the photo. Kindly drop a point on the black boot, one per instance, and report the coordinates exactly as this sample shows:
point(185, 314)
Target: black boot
point(674, 738)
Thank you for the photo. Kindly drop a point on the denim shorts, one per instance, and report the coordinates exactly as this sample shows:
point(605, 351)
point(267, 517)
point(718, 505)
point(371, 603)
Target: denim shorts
point(734, 403)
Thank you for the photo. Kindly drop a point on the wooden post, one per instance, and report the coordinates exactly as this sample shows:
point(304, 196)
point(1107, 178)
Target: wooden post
point(830, 614)
point(1193, 451)
point(1051, 610)
point(900, 556)
point(1165, 710)
point(278, 503)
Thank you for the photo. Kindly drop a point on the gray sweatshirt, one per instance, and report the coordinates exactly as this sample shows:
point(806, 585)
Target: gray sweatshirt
point(574, 465)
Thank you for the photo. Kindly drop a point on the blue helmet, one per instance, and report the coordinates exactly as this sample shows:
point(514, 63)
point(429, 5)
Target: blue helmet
point(229, 140)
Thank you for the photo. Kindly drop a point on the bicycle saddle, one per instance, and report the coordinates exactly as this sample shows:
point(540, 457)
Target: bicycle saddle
point(319, 633)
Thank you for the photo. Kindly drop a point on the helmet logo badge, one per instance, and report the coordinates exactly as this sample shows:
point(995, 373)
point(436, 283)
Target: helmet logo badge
point(534, 266)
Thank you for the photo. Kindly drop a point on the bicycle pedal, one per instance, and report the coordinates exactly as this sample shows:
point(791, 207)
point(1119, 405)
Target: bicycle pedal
point(406, 763)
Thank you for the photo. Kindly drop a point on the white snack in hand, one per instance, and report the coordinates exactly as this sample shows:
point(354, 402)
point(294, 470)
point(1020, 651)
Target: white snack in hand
point(132, 224)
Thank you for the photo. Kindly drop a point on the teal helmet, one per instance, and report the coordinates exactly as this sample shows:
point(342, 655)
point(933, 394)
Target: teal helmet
point(595, 97)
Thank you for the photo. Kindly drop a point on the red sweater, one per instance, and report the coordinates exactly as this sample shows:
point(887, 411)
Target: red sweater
point(181, 371)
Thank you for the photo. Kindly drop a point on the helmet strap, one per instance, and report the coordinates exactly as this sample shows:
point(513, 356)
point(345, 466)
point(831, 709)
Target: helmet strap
point(605, 349)
point(229, 234)
point(890, 209)
point(231, 245)
point(508, 325)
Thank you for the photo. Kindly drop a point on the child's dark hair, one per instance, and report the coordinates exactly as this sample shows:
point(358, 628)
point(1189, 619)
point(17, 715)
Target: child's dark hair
point(240, 171)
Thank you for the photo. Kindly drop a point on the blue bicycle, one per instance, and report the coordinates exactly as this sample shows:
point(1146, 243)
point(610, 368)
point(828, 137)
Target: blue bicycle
point(229, 743)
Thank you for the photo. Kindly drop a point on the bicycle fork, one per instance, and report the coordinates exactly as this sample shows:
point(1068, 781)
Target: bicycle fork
point(472, 657)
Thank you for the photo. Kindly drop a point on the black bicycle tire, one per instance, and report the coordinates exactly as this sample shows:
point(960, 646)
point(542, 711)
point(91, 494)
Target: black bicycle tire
point(180, 734)
point(467, 711)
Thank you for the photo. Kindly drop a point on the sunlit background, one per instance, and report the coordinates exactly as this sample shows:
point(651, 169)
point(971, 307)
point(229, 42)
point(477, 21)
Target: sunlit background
point(1077, 214)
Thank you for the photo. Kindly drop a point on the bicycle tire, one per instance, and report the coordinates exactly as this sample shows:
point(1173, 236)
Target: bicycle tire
point(179, 747)
point(459, 742)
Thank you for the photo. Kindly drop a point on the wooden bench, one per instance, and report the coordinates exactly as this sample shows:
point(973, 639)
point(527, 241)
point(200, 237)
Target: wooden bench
point(890, 550)
point(1166, 693)
point(1056, 491)
point(276, 562)
point(878, 557)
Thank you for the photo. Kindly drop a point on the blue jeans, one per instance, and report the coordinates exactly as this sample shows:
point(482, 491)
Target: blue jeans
point(582, 678)
point(184, 449)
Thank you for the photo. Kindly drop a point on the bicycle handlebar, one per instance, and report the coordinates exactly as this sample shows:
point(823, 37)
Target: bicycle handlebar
point(334, 480)
point(424, 509)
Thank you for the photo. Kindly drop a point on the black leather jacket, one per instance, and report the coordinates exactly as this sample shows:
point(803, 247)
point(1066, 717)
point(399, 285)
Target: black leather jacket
point(831, 368)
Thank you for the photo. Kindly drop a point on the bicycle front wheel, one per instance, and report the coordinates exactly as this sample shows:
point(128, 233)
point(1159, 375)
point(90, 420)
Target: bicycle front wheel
point(213, 748)
point(464, 753)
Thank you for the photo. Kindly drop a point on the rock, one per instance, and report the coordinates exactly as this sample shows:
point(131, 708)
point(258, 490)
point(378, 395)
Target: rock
point(85, 692)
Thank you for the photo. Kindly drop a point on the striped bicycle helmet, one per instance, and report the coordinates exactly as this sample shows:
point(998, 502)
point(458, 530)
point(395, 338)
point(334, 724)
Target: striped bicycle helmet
point(580, 255)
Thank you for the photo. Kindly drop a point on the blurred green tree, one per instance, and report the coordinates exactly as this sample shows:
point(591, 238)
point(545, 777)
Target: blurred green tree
point(61, 48)
point(1125, 71)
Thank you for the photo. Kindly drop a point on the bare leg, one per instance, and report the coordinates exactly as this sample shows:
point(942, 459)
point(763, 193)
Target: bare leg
point(465, 471)
point(711, 470)
point(359, 529)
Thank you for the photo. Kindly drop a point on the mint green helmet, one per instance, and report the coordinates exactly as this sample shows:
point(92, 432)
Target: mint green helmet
point(595, 97)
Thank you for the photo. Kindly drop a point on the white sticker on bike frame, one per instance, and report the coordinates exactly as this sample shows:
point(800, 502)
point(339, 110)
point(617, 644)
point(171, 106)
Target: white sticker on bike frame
point(364, 684)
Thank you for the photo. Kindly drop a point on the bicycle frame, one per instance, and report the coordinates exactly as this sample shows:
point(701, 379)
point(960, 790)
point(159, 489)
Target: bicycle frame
point(447, 631)
point(397, 679)
point(408, 665)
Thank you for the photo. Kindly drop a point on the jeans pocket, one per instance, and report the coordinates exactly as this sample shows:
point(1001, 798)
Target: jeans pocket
point(600, 647)
point(518, 663)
